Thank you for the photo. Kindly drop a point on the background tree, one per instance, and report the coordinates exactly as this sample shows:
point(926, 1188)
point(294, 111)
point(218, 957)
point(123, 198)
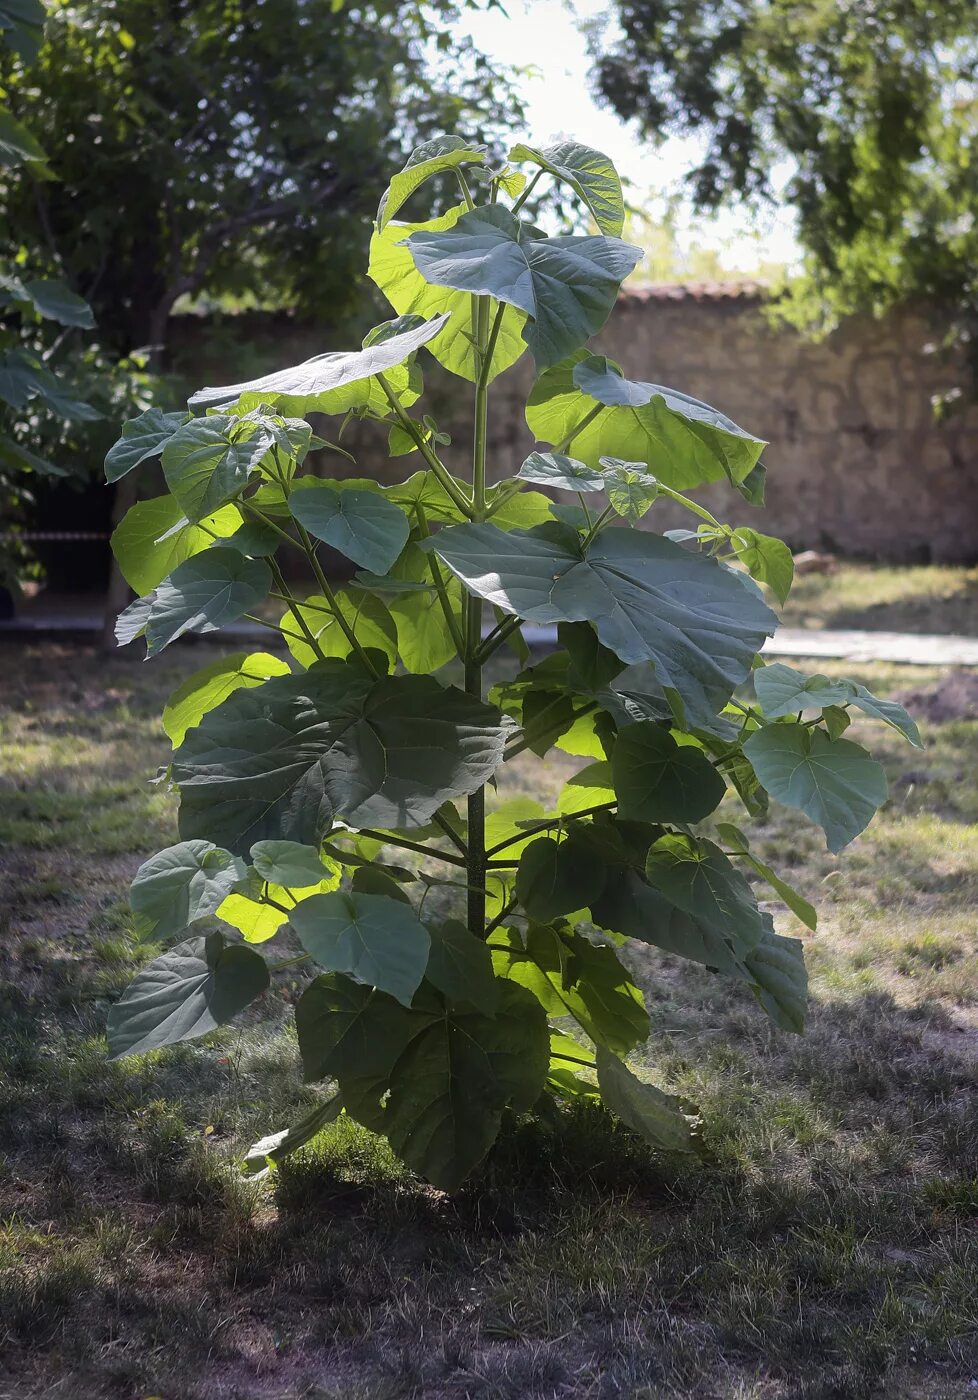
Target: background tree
point(229, 149)
point(875, 105)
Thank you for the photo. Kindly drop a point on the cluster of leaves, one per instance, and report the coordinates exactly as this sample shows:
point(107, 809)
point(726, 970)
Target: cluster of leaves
point(873, 106)
point(302, 779)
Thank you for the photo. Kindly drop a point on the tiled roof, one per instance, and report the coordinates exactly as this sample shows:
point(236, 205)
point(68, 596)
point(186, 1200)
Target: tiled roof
point(746, 290)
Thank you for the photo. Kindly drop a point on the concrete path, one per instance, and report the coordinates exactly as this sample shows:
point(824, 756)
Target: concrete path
point(898, 648)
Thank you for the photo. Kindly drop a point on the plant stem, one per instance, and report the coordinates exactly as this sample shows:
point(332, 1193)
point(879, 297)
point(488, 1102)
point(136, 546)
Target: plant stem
point(473, 665)
point(504, 913)
point(331, 599)
point(438, 578)
point(527, 192)
point(405, 845)
point(497, 638)
point(546, 825)
point(426, 450)
point(287, 593)
point(579, 428)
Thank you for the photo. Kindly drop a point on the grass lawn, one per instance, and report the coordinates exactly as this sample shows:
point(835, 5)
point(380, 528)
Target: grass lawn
point(927, 598)
point(826, 1248)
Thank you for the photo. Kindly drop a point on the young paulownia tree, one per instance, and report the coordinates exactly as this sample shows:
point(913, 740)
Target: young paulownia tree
point(339, 792)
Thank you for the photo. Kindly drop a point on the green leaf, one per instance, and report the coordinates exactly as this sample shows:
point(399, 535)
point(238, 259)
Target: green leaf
point(184, 883)
point(589, 788)
point(567, 286)
point(657, 1117)
point(452, 1082)
point(836, 721)
point(155, 537)
point(592, 665)
point(392, 268)
point(557, 879)
point(570, 976)
point(248, 909)
point(833, 781)
point(256, 540)
point(433, 157)
point(631, 491)
point(698, 879)
point(374, 940)
point(424, 642)
point(288, 863)
point(348, 1030)
point(733, 837)
point(198, 985)
point(201, 595)
point(658, 780)
point(504, 823)
point(22, 26)
point(211, 686)
point(647, 598)
point(371, 623)
point(53, 301)
point(282, 760)
point(142, 438)
point(208, 461)
point(366, 527)
point(460, 966)
point(781, 690)
point(18, 146)
point(683, 442)
point(332, 383)
point(776, 968)
point(766, 559)
point(268, 1151)
point(560, 473)
point(590, 174)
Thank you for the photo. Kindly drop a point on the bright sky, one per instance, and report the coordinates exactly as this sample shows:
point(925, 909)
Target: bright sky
point(559, 104)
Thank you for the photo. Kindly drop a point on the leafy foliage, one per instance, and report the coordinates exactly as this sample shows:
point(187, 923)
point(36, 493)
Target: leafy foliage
point(489, 974)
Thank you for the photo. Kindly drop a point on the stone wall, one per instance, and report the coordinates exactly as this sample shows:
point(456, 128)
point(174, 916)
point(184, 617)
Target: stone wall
point(857, 463)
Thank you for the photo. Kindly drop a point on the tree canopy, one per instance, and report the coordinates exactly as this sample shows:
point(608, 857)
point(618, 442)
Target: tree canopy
point(874, 104)
point(201, 147)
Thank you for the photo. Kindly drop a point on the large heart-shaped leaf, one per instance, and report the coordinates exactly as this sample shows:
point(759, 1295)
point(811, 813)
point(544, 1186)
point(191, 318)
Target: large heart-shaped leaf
point(367, 617)
point(332, 383)
point(658, 780)
point(833, 781)
point(695, 876)
point(155, 536)
point(347, 1029)
point(431, 158)
point(181, 884)
point(142, 438)
point(556, 879)
point(588, 172)
point(392, 268)
point(198, 985)
point(460, 966)
point(647, 598)
point(685, 443)
point(374, 940)
point(208, 461)
point(201, 595)
point(657, 1117)
point(765, 558)
point(211, 686)
point(363, 525)
point(567, 285)
point(449, 1087)
point(282, 760)
point(287, 863)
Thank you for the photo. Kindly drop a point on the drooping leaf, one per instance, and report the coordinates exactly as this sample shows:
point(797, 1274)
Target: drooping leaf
point(566, 285)
point(684, 443)
point(54, 301)
point(155, 536)
point(698, 879)
point(211, 686)
point(737, 841)
point(833, 781)
point(460, 966)
point(570, 976)
point(556, 879)
point(766, 559)
point(392, 268)
point(589, 173)
point(366, 527)
point(658, 780)
point(19, 146)
point(450, 1085)
point(647, 599)
point(208, 461)
point(782, 690)
point(657, 1117)
point(201, 595)
point(184, 883)
point(347, 1030)
point(890, 712)
point(592, 666)
point(371, 939)
point(433, 157)
point(332, 383)
point(194, 987)
point(282, 760)
point(268, 1151)
point(288, 863)
point(777, 970)
point(370, 621)
point(561, 473)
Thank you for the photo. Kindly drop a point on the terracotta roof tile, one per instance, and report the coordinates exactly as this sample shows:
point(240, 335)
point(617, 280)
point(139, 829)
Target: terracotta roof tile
point(744, 290)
